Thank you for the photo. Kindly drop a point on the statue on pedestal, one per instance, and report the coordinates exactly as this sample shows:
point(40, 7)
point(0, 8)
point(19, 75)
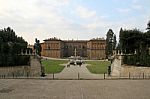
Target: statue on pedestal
point(37, 47)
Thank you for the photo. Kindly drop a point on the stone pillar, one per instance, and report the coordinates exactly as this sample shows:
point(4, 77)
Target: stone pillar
point(135, 52)
point(29, 52)
point(26, 53)
point(22, 52)
point(121, 52)
point(118, 52)
point(114, 52)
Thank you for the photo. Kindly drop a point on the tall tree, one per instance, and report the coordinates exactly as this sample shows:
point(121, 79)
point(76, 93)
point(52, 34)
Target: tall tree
point(110, 43)
point(130, 40)
point(10, 47)
point(115, 42)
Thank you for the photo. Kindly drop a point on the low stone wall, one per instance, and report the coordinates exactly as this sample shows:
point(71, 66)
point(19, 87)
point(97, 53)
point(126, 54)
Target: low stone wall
point(15, 71)
point(34, 70)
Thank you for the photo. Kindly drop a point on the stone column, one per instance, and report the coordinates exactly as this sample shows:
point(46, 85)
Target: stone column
point(22, 52)
point(26, 53)
point(135, 52)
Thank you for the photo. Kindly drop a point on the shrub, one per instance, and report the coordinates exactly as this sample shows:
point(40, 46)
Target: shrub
point(143, 60)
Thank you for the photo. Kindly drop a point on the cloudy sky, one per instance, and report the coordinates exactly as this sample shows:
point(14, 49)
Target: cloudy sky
point(72, 19)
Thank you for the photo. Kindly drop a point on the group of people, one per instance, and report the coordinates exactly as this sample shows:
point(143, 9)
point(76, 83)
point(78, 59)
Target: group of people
point(74, 63)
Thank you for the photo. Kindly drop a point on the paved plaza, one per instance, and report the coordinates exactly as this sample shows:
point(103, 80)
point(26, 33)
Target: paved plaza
point(74, 89)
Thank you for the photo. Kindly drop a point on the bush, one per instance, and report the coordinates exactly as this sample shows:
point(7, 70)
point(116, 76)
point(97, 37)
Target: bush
point(9, 60)
point(143, 60)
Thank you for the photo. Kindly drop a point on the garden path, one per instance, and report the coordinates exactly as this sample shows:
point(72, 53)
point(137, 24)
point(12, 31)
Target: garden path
point(75, 72)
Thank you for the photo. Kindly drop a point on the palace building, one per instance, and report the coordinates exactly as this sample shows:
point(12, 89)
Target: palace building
point(90, 49)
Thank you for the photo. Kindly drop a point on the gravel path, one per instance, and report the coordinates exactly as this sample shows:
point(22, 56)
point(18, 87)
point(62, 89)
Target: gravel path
point(73, 72)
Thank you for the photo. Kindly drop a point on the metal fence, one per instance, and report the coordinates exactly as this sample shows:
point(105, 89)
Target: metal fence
point(77, 76)
point(81, 76)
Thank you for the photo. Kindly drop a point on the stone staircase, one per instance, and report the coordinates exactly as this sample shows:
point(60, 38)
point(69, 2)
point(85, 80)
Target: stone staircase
point(116, 66)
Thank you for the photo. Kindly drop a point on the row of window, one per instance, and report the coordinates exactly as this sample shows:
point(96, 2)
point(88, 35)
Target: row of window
point(95, 46)
point(72, 46)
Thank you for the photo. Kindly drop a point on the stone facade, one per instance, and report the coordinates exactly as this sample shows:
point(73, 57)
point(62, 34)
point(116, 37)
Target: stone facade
point(96, 49)
point(90, 49)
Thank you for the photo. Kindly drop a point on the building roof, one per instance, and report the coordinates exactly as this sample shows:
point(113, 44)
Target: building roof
point(56, 39)
point(52, 39)
point(97, 39)
point(75, 41)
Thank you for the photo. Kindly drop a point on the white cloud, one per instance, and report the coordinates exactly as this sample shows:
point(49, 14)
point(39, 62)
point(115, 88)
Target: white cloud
point(126, 11)
point(133, 6)
point(46, 18)
point(92, 22)
point(85, 13)
point(33, 17)
point(92, 26)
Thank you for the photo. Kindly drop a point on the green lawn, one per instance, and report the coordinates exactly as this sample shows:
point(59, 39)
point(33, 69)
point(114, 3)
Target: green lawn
point(53, 66)
point(98, 67)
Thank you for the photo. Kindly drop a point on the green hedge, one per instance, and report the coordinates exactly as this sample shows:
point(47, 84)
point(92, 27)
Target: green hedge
point(137, 60)
point(14, 60)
